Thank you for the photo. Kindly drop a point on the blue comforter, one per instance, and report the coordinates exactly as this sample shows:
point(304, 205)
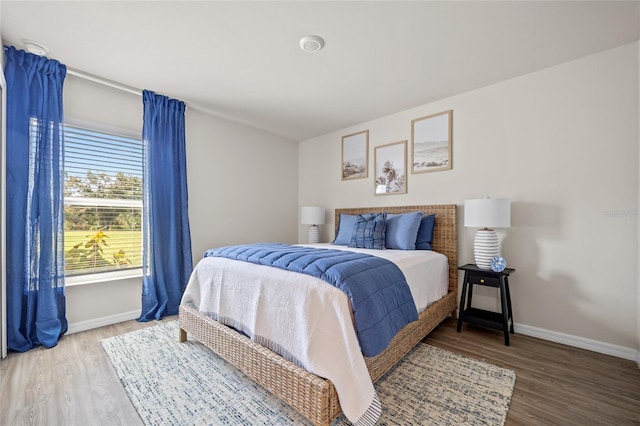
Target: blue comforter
point(380, 296)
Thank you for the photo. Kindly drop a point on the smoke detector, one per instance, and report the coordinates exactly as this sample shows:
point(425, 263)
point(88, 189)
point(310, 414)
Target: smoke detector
point(35, 47)
point(311, 43)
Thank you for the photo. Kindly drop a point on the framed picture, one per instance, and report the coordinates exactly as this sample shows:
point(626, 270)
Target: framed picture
point(355, 156)
point(431, 143)
point(391, 166)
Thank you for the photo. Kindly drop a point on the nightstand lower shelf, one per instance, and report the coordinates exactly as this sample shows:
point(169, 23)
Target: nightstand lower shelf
point(484, 318)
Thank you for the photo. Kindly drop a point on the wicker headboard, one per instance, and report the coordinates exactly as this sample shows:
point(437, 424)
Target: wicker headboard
point(445, 236)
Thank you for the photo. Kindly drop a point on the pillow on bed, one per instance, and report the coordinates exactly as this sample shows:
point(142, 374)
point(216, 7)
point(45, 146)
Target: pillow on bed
point(402, 230)
point(345, 228)
point(369, 232)
point(425, 232)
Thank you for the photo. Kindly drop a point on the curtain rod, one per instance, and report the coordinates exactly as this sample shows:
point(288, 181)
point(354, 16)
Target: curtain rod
point(138, 92)
point(104, 82)
point(125, 88)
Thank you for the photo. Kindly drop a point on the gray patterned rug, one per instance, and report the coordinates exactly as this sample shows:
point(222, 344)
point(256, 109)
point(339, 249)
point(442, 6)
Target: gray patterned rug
point(172, 383)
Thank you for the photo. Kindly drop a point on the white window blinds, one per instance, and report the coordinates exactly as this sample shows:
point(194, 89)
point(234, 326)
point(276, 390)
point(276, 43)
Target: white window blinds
point(103, 201)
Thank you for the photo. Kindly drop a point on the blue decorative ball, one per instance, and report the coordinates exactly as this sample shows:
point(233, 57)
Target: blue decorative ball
point(498, 264)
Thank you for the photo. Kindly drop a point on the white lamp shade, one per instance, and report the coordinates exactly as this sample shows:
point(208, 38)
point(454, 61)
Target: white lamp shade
point(487, 213)
point(312, 216)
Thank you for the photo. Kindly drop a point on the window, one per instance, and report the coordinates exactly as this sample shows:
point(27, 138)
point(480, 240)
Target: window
point(102, 202)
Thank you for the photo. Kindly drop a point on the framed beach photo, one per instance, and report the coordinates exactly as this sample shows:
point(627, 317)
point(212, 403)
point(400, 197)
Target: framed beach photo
point(391, 165)
point(431, 143)
point(355, 155)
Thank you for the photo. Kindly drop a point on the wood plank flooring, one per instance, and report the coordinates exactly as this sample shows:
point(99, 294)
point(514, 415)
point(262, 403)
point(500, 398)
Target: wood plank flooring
point(555, 384)
point(74, 383)
point(70, 384)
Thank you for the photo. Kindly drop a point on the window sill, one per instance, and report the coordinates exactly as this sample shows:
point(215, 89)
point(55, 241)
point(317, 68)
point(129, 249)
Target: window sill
point(102, 277)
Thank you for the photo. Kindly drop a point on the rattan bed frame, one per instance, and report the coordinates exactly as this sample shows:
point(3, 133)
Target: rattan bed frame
point(311, 395)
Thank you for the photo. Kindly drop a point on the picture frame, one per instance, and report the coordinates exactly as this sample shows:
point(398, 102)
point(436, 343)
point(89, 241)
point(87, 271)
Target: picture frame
point(431, 140)
point(390, 169)
point(355, 156)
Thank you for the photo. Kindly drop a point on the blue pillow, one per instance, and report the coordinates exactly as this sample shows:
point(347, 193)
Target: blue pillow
point(369, 232)
point(345, 228)
point(402, 230)
point(425, 232)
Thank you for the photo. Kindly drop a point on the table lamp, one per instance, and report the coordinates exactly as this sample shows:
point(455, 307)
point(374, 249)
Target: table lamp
point(313, 216)
point(486, 213)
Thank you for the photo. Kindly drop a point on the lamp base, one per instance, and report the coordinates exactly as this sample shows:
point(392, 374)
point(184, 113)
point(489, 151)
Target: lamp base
point(314, 234)
point(485, 247)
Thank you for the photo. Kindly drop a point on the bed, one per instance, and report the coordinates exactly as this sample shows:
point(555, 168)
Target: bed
point(313, 396)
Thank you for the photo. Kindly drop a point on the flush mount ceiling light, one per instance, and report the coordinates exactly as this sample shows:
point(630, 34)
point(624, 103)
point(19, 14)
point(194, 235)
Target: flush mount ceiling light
point(311, 43)
point(35, 47)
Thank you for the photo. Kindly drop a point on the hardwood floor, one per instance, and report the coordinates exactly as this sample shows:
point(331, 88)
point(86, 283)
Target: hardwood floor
point(70, 384)
point(74, 383)
point(555, 384)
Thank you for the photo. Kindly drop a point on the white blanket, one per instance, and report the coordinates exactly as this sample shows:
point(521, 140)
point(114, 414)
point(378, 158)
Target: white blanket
point(311, 327)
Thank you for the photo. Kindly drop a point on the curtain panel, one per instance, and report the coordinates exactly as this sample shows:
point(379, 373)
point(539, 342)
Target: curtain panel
point(167, 262)
point(35, 200)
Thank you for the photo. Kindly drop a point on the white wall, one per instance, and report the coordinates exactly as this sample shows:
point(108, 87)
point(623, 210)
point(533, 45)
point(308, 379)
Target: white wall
point(242, 188)
point(562, 144)
point(243, 184)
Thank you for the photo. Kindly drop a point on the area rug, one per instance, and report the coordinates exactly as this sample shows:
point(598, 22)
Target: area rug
point(172, 383)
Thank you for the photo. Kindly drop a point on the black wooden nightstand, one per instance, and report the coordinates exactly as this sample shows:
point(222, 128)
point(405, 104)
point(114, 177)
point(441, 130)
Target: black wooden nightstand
point(498, 320)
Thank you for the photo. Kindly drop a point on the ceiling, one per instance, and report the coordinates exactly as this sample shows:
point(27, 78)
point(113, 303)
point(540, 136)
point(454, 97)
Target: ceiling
point(241, 60)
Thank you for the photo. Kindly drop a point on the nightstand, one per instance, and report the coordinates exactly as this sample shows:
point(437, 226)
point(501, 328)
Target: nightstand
point(499, 320)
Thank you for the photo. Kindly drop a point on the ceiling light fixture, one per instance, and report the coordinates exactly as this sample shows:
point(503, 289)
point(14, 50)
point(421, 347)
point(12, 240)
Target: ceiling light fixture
point(35, 47)
point(311, 43)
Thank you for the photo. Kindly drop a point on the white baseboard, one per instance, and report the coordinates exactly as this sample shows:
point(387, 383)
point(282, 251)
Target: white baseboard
point(540, 333)
point(579, 342)
point(101, 322)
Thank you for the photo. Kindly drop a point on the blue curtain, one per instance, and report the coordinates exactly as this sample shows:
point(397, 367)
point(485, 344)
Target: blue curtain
point(167, 259)
point(35, 200)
